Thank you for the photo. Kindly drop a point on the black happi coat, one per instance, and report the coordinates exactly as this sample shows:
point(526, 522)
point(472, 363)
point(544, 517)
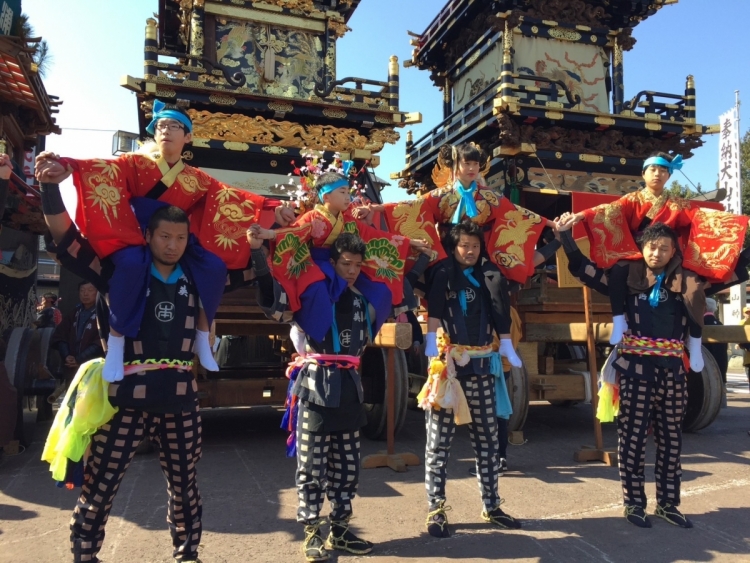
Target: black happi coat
point(333, 396)
point(167, 333)
point(487, 308)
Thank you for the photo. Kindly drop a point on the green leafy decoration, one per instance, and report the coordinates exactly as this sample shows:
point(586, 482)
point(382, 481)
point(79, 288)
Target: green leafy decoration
point(300, 260)
point(385, 258)
point(351, 227)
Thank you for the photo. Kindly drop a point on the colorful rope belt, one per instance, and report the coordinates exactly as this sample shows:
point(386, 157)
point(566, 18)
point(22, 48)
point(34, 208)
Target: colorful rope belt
point(137, 366)
point(289, 421)
point(442, 389)
point(645, 346)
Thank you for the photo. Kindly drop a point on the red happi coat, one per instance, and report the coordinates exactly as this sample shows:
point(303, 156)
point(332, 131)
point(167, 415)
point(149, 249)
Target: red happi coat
point(219, 214)
point(711, 239)
point(511, 240)
point(294, 269)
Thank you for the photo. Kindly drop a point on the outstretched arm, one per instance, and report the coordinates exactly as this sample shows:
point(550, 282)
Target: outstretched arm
point(583, 268)
point(49, 172)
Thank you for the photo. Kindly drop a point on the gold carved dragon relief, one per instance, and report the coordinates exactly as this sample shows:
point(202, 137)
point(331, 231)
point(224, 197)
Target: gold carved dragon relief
point(260, 131)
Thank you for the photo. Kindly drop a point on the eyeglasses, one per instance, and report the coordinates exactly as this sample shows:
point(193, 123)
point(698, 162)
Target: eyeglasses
point(168, 126)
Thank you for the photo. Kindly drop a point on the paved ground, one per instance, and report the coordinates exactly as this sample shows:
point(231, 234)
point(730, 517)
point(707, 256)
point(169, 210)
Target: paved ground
point(571, 512)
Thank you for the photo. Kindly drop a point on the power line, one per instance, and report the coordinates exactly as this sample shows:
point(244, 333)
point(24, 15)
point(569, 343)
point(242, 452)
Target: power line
point(85, 129)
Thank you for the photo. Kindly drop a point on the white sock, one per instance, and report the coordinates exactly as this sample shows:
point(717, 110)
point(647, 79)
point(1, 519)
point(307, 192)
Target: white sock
point(696, 353)
point(507, 350)
point(113, 369)
point(619, 328)
point(203, 350)
point(299, 339)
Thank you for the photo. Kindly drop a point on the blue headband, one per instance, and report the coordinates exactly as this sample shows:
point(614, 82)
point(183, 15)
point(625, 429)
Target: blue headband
point(160, 113)
point(676, 163)
point(328, 188)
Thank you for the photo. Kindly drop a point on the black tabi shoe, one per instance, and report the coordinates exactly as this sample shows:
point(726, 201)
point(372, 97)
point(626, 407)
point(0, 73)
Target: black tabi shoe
point(191, 560)
point(497, 517)
point(437, 522)
point(342, 538)
point(637, 516)
point(672, 515)
point(314, 547)
point(503, 465)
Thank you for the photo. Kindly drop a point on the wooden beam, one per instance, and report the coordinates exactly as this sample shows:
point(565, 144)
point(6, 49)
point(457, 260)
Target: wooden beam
point(394, 335)
point(576, 332)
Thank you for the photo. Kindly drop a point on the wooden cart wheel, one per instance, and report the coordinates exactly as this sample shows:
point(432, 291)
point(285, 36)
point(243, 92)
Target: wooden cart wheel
point(15, 364)
point(373, 371)
point(518, 390)
point(705, 391)
point(39, 380)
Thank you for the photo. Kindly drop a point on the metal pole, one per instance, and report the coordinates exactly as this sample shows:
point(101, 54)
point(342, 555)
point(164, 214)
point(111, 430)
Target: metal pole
point(743, 285)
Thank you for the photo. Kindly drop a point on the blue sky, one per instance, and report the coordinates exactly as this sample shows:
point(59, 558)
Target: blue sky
point(94, 42)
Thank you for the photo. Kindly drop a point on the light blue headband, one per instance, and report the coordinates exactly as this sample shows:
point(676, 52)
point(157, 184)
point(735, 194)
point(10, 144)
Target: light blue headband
point(161, 113)
point(676, 163)
point(328, 188)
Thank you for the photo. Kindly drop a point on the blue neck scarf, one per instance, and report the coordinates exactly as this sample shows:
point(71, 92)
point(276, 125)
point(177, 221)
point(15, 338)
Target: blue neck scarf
point(653, 298)
point(173, 277)
point(466, 204)
point(462, 294)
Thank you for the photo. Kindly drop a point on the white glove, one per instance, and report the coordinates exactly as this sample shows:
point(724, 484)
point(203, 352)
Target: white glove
point(696, 353)
point(113, 369)
point(508, 352)
point(203, 350)
point(298, 338)
point(619, 328)
point(430, 345)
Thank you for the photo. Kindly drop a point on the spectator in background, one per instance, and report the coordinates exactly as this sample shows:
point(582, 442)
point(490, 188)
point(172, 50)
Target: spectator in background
point(77, 336)
point(48, 315)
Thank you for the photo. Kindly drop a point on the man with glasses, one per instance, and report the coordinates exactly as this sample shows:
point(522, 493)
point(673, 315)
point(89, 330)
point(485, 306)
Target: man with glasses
point(116, 198)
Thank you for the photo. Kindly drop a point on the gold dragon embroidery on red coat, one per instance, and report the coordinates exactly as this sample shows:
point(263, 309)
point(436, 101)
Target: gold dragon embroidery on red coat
point(511, 235)
point(233, 216)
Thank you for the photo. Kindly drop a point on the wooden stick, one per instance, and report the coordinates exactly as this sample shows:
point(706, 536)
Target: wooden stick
point(593, 372)
point(391, 402)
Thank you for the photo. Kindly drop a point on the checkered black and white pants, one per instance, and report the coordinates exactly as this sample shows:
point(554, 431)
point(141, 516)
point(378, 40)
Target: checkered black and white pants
point(327, 465)
point(642, 404)
point(480, 394)
point(112, 449)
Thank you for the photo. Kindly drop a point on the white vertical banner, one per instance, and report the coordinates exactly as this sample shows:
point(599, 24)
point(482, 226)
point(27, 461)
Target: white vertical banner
point(729, 161)
point(729, 179)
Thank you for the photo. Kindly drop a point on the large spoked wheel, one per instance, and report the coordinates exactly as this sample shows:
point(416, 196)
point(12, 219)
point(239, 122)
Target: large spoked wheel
point(518, 390)
point(373, 369)
point(705, 391)
point(15, 364)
